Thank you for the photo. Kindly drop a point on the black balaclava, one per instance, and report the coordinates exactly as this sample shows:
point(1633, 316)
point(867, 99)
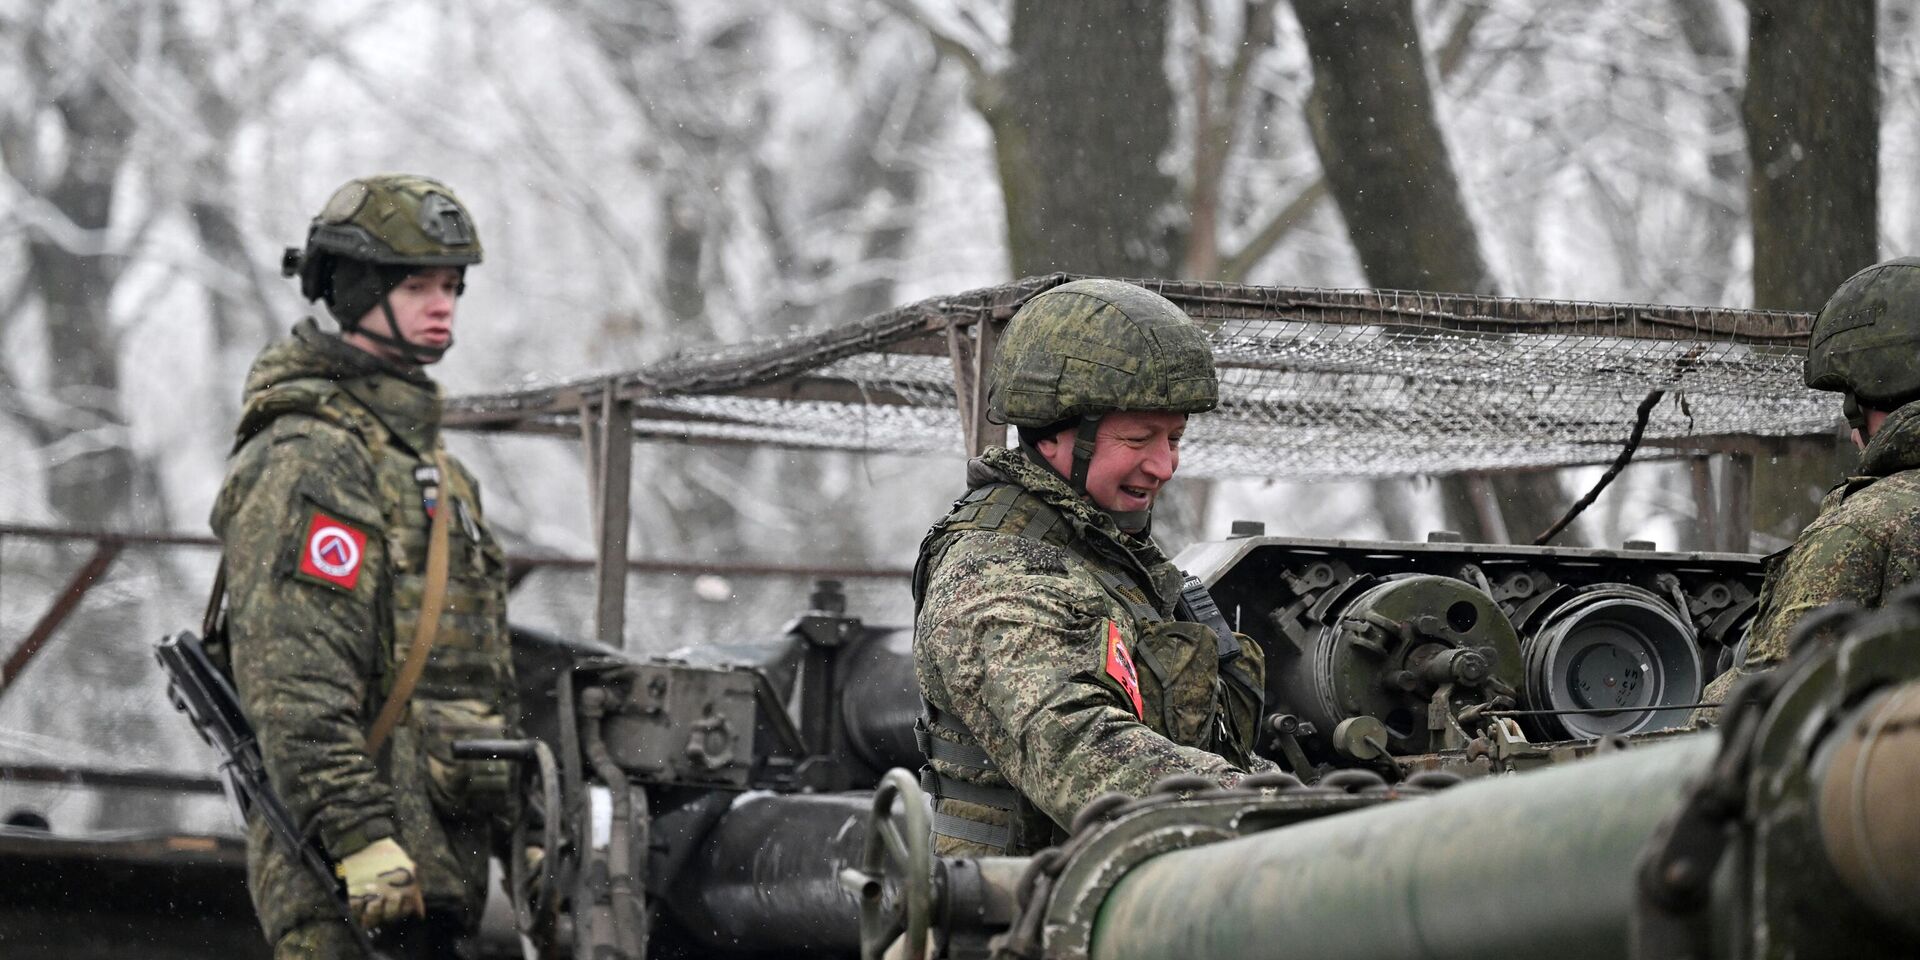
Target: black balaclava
point(359, 286)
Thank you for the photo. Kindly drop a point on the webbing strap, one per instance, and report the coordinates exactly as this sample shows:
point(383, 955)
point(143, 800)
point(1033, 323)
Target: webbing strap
point(947, 751)
point(1123, 589)
point(1041, 525)
point(1084, 438)
point(432, 599)
point(940, 785)
point(972, 831)
point(210, 621)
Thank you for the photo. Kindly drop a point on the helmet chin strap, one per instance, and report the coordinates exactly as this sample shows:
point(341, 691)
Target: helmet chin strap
point(1856, 416)
point(1084, 438)
point(415, 353)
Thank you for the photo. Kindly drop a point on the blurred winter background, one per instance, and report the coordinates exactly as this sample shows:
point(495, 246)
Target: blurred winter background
point(649, 175)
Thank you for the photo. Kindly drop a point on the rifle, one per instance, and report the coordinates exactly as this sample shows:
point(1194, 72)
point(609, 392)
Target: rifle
point(199, 690)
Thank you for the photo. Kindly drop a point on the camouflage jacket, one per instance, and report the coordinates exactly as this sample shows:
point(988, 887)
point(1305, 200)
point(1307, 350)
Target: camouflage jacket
point(324, 521)
point(1032, 612)
point(1863, 546)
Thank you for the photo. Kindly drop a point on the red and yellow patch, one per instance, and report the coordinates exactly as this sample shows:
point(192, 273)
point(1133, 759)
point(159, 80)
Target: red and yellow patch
point(1120, 668)
point(332, 551)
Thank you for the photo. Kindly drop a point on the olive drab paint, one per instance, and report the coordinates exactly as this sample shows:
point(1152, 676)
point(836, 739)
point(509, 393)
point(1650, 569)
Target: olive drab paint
point(398, 220)
point(325, 529)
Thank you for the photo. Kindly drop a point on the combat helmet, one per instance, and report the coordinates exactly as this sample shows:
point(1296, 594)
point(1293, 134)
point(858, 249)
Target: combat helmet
point(1090, 347)
point(1866, 340)
point(372, 232)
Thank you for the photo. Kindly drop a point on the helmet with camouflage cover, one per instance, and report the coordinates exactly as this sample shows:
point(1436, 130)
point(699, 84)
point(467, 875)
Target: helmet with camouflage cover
point(1092, 347)
point(1866, 340)
point(371, 234)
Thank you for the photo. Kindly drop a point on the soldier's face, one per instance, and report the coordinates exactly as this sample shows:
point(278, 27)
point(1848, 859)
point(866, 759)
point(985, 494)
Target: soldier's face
point(1874, 419)
point(1135, 453)
point(423, 307)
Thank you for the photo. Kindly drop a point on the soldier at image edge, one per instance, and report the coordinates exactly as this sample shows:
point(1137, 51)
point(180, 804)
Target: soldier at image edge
point(1865, 543)
point(1060, 654)
point(341, 514)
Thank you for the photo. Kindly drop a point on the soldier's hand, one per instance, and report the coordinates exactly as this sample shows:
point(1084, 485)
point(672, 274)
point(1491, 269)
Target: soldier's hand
point(382, 883)
point(532, 856)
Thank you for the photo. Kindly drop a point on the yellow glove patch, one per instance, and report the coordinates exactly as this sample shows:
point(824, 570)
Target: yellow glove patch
point(382, 883)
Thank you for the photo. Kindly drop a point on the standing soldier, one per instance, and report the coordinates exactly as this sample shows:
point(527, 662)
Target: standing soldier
point(1865, 544)
point(1059, 653)
point(344, 521)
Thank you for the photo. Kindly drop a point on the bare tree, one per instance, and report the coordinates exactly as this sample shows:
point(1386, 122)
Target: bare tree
point(756, 243)
point(1382, 150)
point(65, 145)
point(1080, 118)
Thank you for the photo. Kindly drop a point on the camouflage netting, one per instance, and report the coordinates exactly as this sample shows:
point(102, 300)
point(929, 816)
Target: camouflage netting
point(1315, 384)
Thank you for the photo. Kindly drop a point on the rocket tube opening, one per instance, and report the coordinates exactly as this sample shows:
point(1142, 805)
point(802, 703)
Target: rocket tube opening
point(1617, 648)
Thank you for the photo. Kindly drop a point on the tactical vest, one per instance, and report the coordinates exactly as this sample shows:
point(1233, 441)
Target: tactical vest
point(466, 690)
point(1202, 686)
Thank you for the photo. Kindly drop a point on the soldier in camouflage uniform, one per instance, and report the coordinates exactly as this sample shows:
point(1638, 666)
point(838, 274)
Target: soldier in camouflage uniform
point(1059, 653)
point(1865, 543)
point(325, 515)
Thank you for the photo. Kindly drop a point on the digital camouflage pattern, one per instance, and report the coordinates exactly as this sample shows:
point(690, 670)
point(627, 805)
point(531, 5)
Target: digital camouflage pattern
point(1011, 642)
point(1863, 547)
point(327, 451)
point(1866, 339)
point(1095, 346)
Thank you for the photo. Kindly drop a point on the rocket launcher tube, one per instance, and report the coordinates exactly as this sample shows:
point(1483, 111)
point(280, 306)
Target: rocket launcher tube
point(1536, 865)
point(1798, 834)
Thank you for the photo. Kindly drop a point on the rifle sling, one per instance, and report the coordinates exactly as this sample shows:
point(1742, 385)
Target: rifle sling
point(211, 619)
point(433, 598)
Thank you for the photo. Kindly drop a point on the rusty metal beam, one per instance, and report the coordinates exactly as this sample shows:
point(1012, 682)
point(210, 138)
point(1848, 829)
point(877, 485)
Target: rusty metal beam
point(720, 567)
point(103, 556)
point(612, 433)
point(1736, 502)
point(984, 432)
point(1706, 513)
point(516, 561)
point(125, 779)
point(124, 538)
point(960, 354)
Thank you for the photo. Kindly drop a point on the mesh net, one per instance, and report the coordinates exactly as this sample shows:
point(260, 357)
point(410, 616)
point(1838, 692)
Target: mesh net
point(1315, 384)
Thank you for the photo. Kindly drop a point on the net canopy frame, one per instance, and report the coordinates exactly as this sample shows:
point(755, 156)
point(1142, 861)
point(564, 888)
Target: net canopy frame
point(1316, 384)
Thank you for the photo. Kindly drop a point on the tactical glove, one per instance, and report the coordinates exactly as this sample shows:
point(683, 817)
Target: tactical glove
point(531, 856)
point(382, 884)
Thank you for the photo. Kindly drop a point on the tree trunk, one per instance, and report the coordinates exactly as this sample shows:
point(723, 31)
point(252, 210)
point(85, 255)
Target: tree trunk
point(91, 484)
point(1812, 110)
point(1373, 121)
point(1373, 124)
point(1080, 120)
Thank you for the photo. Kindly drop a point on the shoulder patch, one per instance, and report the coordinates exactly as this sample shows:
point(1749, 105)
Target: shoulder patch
point(1120, 668)
point(331, 552)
